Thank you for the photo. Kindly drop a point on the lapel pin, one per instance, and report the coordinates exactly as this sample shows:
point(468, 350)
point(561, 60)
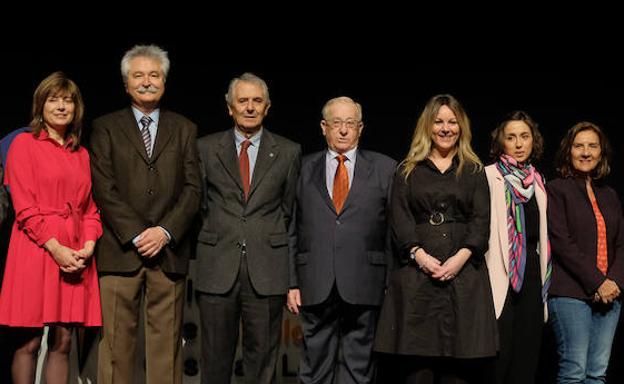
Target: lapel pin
point(271, 154)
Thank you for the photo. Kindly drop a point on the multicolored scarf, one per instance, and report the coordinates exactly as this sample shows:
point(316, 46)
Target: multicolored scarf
point(520, 180)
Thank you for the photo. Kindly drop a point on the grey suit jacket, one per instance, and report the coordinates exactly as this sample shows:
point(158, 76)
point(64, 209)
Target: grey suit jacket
point(351, 249)
point(135, 192)
point(261, 223)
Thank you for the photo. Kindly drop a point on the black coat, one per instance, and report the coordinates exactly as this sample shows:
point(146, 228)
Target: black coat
point(423, 316)
point(573, 236)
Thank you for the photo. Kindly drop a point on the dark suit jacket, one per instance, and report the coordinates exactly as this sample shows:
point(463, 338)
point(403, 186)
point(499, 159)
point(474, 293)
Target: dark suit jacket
point(262, 223)
point(574, 235)
point(135, 192)
point(351, 249)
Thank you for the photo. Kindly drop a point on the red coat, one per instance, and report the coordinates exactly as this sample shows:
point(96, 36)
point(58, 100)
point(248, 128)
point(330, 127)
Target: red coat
point(50, 186)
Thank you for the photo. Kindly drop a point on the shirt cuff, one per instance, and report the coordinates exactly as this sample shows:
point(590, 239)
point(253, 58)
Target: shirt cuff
point(166, 233)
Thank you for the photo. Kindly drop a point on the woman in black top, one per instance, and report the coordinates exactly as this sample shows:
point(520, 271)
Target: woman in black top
point(438, 312)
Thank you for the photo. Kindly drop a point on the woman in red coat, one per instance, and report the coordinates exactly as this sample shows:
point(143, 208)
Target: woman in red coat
point(50, 277)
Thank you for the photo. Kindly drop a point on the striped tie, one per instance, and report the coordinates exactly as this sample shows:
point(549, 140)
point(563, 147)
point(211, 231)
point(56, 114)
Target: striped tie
point(147, 139)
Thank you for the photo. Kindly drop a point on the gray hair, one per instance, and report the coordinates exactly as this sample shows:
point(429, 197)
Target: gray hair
point(150, 51)
point(247, 77)
point(343, 100)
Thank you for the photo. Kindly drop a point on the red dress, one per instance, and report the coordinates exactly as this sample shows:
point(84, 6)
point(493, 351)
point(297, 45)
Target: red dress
point(51, 191)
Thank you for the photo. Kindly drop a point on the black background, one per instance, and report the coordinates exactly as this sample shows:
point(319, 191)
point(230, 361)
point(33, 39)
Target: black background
point(391, 90)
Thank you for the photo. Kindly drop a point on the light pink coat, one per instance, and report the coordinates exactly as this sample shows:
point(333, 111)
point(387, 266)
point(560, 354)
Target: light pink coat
point(497, 256)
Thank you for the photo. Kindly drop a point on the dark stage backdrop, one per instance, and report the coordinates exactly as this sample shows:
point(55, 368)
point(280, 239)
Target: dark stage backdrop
point(391, 99)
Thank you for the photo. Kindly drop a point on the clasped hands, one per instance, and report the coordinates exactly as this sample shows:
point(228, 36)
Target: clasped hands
point(441, 271)
point(607, 292)
point(70, 260)
point(151, 241)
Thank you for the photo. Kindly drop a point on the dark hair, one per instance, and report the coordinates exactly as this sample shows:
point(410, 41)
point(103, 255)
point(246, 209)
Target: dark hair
point(498, 135)
point(564, 161)
point(55, 84)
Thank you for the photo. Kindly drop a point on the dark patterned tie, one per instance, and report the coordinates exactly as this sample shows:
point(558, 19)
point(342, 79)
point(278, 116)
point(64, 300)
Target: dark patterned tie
point(341, 184)
point(145, 134)
point(243, 162)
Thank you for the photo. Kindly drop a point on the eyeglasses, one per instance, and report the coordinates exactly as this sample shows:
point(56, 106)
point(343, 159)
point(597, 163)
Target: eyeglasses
point(337, 123)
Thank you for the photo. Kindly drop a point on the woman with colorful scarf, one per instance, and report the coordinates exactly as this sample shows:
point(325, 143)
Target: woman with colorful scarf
point(586, 230)
point(518, 258)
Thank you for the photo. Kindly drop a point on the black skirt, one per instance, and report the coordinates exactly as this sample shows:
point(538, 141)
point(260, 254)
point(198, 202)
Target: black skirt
point(426, 317)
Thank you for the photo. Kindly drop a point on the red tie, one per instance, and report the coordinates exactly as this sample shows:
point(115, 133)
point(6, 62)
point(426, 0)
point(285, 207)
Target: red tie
point(341, 184)
point(243, 162)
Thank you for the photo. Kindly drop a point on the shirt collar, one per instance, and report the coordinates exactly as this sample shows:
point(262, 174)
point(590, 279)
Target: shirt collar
point(255, 139)
point(350, 154)
point(44, 135)
point(154, 115)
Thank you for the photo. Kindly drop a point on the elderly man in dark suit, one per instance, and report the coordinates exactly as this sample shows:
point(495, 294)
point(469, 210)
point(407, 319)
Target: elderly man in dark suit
point(146, 182)
point(338, 272)
point(249, 178)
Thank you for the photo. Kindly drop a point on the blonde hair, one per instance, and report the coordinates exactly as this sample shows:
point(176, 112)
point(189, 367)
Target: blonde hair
point(421, 140)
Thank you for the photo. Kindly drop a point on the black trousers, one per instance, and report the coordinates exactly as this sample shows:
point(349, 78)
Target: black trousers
point(338, 342)
point(221, 317)
point(520, 329)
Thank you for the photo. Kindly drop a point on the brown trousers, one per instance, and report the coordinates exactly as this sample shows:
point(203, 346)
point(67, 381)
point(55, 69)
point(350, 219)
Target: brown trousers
point(121, 297)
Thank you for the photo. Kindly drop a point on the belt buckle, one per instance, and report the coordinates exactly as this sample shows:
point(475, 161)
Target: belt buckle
point(436, 218)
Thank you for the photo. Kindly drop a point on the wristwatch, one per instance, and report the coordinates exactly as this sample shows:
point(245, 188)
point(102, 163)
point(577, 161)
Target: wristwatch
point(412, 254)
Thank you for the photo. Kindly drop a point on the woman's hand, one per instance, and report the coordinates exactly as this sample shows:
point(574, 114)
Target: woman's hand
point(427, 263)
point(67, 259)
point(453, 265)
point(607, 291)
point(86, 252)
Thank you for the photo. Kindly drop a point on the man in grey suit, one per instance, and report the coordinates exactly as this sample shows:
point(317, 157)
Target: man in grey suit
point(249, 177)
point(146, 182)
point(338, 272)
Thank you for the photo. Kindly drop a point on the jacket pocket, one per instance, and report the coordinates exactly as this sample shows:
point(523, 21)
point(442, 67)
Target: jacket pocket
point(209, 238)
point(278, 240)
point(376, 257)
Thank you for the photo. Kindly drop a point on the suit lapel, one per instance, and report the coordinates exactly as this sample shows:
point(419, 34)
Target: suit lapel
point(227, 156)
point(320, 181)
point(130, 128)
point(267, 153)
point(361, 175)
point(163, 133)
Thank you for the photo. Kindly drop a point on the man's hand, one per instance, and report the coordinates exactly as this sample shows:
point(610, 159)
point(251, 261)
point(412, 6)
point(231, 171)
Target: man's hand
point(293, 301)
point(151, 241)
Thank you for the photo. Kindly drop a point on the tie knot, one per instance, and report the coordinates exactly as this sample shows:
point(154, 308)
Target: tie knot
point(145, 121)
point(245, 144)
point(341, 158)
